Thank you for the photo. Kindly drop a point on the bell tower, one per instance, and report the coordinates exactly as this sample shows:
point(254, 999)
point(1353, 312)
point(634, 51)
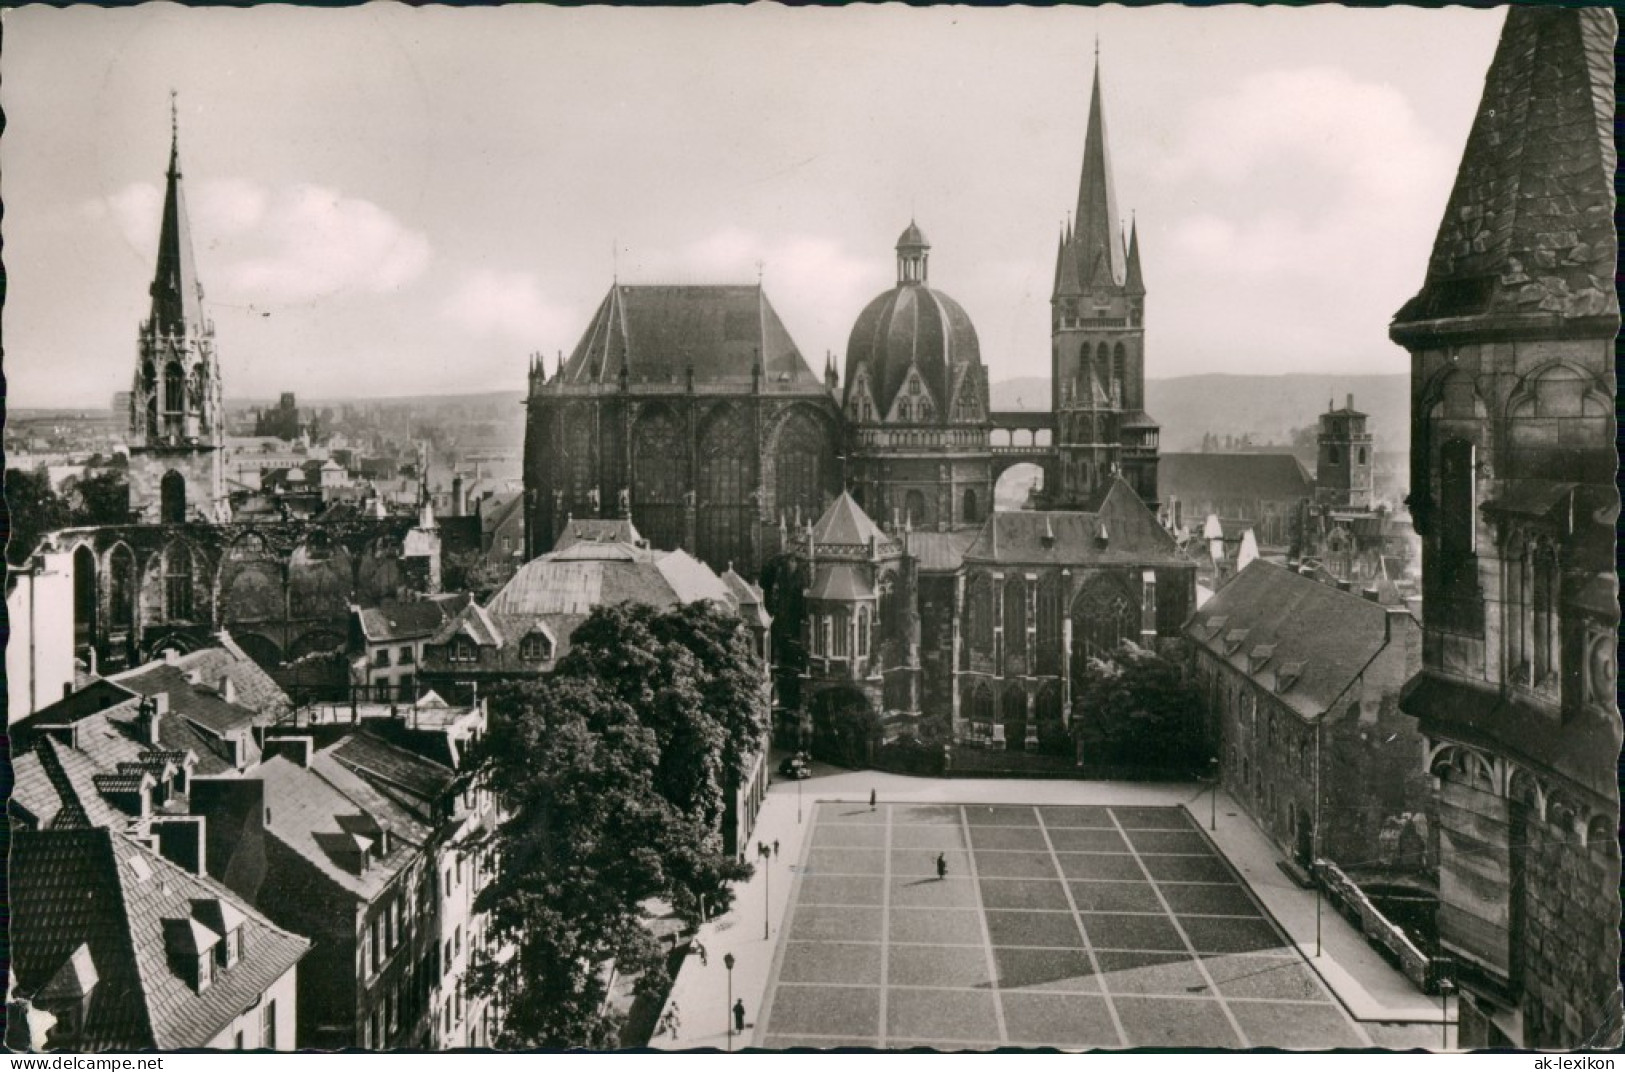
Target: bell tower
point(177, 412)
point(1097, 333)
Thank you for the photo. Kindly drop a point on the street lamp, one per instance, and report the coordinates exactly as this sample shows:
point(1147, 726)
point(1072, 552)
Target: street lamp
point(728, 1013)
point(767, 896)
point(1213, 807)
point(1445, 989)
point(798, 801)
point(1314, 863)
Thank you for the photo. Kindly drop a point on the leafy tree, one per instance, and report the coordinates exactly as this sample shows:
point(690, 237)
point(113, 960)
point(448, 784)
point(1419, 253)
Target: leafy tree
point(33, 509)
point(101, 498)
point(612, 772)
point(1136, 707)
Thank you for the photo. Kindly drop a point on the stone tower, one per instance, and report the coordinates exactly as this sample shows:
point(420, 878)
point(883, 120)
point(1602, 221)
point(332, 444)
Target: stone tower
point(1097, 331)
point(177, 418)
point(1343, 471)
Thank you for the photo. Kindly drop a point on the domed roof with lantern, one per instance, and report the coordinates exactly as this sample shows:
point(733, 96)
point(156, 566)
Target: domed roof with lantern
point(913, 355)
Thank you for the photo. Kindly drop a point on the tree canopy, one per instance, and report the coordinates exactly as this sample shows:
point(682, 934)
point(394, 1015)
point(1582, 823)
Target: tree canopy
point(1137, 708)
point(33, 508)
point(613, 774)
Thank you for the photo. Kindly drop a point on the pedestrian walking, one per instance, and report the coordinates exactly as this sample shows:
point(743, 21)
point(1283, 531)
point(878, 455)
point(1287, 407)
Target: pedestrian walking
point(871, 800)
point(698, 950)
point(739, 1015)
point(942, 867)
point(775, 848)
point(670, 1022)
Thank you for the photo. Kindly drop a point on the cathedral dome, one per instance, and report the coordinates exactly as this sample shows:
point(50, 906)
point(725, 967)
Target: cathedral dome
point(914, 333)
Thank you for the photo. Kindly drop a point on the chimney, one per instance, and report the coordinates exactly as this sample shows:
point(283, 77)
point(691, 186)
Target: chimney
point(1351, 400)
point(296, 750)
point(228, 689)
point(172, 657)
point(1371, 595)
point(459, 498)
point(1345, 585)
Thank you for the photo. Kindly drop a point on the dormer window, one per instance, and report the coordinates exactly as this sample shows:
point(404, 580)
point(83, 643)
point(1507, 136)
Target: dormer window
point(222, 918)
point(535, 647)
point(192, 948)
point(464, 651)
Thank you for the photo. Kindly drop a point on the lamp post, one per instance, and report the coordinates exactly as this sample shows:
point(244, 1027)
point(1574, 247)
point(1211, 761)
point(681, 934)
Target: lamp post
point(1213, 799)
point(1446, 987)
point(728, 1013)
point(767, 896)
point(1314, 864)
point(798, 801)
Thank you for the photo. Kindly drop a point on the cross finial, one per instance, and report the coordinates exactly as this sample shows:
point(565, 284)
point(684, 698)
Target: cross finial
point(760, 267)
point(615, 260)
point(174, 118)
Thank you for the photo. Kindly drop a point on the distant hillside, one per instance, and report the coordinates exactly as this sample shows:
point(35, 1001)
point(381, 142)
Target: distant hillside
point(1267, 408)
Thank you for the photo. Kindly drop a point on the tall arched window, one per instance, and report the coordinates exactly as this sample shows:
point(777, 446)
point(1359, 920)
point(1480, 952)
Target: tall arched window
point(177, 582)
point(659, 478)
point(121, 588)
point(1015, 625)
point(1103, 617)
point(174, 388)
point(1048, 655)
point(979, 612)
point(1458, 506)
point(84, 595)
point(724, 485)
point(172, 498)
point(914, 508)
point(1120, 366)
point(971, 516)
point(801, 463)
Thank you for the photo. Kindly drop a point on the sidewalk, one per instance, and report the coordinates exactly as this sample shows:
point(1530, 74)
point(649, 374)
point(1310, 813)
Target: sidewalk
point(1373, 992)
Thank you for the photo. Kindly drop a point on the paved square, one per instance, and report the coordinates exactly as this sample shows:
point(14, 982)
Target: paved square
point(1085, 927)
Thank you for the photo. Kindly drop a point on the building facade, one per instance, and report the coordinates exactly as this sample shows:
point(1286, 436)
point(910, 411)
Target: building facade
point(1511, 340)
point(691, 411)
point(1302, 680)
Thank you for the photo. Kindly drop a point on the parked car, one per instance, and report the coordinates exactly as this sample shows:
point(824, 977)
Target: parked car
point(795, 766)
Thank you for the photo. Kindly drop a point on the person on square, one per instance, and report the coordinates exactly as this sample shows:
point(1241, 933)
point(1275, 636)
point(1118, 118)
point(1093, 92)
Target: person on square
point(942, 866)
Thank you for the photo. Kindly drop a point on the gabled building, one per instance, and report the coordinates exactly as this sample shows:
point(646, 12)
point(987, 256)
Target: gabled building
point(386, 643)
point(129, 952)
point(1264, 492)
point(1512, 341)
point(1302, 680)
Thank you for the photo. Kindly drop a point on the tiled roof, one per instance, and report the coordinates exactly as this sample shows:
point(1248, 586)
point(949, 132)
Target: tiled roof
point(96, 887)
point(839, 582)
point(1529, 228)
point(316, 820)
point(404, 620)
point(657, 332)
point(844, 522)
point(1284, 618)
point(378, 760)
point(585, 576)
point(498, 509)
point(199, 703)
point(597, 530)
point(1072, 537)
point(940, 552)
point(1195, 478)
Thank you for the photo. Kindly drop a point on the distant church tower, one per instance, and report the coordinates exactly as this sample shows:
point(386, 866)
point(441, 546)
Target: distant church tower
point(177, 418)
point(1097, 331)
point(1343, 471)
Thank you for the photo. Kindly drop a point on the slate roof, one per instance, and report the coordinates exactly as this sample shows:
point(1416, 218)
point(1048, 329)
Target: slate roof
point(409, 619)
point(845, 523)
point(1198, 478)
point(598, 530)
point(657, 332)
point(1529, 228)
point(199, 703)
point(1072, 537)
point(587, 575)
point(378, 760)
point(99, 888)
point(940, 552)
point(498, 509)
point(838, 582)
point(320, 822)
point(1270, 610)
point(256, 689)
point(913, 326)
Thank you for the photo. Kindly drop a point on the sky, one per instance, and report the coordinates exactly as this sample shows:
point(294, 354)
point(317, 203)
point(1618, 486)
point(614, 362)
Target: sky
point(391, 201)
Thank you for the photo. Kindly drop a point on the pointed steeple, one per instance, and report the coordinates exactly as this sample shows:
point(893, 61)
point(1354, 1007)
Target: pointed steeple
point(1136, 282)
point(177, 296)
point(1097, 244)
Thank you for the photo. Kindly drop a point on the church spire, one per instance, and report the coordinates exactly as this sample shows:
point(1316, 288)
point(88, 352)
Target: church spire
point(1097, 245)
point(1136, 282)
point(177, 296)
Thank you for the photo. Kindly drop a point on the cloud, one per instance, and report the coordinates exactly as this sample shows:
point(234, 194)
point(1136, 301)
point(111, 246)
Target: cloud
point(310, 242)
point(510, 304)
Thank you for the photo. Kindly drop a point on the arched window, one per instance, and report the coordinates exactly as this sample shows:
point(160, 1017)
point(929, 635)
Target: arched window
point(1015, 625)
point(172, 498)
point(1334, 455)
point(659, 478)
point(914, 508)
point(1544, 611)
point(724, 485)
point(863, 632)
point(121, 588)
point(1458, 506)
point(1103, 617)
point(1362, 455)
point(1049, 625)
point(841, 627)
point(1120, 366)
point(979, 612)
point(154, 427)
point(174, 388)
point(971, 516)
point(84, 595)
point(981, 709)
point(801, 463)
point(177, 582)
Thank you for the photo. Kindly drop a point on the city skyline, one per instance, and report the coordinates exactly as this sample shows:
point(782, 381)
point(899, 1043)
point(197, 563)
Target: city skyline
point(437, 194)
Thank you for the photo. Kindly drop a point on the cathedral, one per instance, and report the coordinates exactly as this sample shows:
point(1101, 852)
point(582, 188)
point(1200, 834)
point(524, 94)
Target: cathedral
point(864, 502)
